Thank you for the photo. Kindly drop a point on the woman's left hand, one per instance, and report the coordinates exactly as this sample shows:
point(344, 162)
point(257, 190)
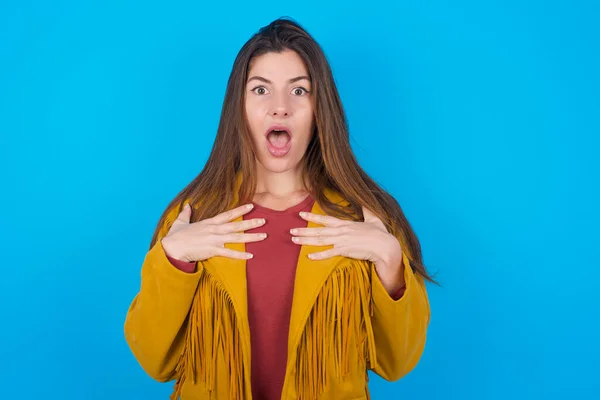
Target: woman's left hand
point(368, 240)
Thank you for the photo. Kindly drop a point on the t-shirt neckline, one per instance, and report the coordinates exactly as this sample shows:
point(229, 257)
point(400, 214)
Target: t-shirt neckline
point(290, 210)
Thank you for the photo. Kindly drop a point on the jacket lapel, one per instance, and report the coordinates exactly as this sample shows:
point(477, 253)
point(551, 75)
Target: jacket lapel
point(310, 277)
point(232, 274)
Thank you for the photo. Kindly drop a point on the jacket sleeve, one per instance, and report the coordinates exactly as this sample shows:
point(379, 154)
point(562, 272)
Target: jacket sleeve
point(157, 317)
point(399, 326)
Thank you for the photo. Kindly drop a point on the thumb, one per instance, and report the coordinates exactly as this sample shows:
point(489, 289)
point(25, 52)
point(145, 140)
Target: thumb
point(185, 214)
point(368, 215)
point(371, 217)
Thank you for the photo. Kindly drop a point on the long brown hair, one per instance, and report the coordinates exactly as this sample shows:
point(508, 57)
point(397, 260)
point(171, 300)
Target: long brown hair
point(328, 162)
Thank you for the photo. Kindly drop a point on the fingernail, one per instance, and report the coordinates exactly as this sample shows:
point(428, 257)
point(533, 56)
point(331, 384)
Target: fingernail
point(263, 220)
point(249, 206)
point(302, 213)
point(249, 255)
point(263, 235)
point(293, 231)
point(295, 239)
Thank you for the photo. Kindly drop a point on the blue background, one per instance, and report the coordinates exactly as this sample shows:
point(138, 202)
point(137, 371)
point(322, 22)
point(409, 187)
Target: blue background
point(482, 118)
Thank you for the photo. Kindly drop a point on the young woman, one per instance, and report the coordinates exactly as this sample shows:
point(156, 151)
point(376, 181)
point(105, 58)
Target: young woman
point(282, 271)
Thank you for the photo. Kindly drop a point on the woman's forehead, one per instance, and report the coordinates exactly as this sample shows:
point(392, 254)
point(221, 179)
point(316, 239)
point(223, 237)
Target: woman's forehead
point(278, 67)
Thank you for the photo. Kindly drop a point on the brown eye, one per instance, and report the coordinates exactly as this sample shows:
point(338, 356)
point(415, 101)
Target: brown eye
point(299, 91)
point(260, 90)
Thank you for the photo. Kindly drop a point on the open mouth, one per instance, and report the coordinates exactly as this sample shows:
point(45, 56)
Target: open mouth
point(279, 140)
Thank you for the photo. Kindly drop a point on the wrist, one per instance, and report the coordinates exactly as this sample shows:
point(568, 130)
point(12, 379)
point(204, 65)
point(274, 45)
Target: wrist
point(391, 273)
point(171, 250)
point(391, 257)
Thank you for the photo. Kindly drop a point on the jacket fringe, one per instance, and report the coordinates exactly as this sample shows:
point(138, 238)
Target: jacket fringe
point(341, 314)
point(212, 328)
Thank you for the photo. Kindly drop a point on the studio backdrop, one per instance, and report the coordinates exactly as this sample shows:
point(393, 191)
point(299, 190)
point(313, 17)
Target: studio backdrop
point(480, 117)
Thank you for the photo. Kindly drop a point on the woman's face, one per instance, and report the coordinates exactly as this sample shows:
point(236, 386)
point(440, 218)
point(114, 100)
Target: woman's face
point(278, 96)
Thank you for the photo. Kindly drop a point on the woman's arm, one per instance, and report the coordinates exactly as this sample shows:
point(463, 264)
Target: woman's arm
point(399, 326)
point(157, 318)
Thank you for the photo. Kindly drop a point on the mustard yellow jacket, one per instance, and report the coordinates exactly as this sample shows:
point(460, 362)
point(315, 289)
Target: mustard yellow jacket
point(193, 328)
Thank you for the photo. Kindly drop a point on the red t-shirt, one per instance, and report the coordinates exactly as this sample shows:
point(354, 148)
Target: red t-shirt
point(270, 285)
point(271, 274)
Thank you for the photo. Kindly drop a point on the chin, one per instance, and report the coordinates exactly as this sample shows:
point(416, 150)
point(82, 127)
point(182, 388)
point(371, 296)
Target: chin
point(277, 165)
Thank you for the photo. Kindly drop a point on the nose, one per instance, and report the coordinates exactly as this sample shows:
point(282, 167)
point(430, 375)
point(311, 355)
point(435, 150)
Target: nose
point(280, 106)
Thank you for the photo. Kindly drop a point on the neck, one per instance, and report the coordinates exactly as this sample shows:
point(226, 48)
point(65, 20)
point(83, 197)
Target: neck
point(279, 184)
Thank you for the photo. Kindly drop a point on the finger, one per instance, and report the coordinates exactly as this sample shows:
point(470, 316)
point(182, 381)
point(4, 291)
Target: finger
point(230, 214)
point(243, 237)
point(322, 255)
point(326, 220)
point(316, 231)
point(314, 241)
point(185, 214)
point(240, 226)
point(368, 214)
point(371, 217)
point(225, 252)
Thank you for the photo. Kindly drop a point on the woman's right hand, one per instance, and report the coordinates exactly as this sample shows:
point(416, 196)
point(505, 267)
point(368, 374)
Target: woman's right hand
point(201, 240)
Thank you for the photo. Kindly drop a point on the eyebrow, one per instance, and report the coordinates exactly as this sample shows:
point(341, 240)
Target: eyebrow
point(265, 80)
